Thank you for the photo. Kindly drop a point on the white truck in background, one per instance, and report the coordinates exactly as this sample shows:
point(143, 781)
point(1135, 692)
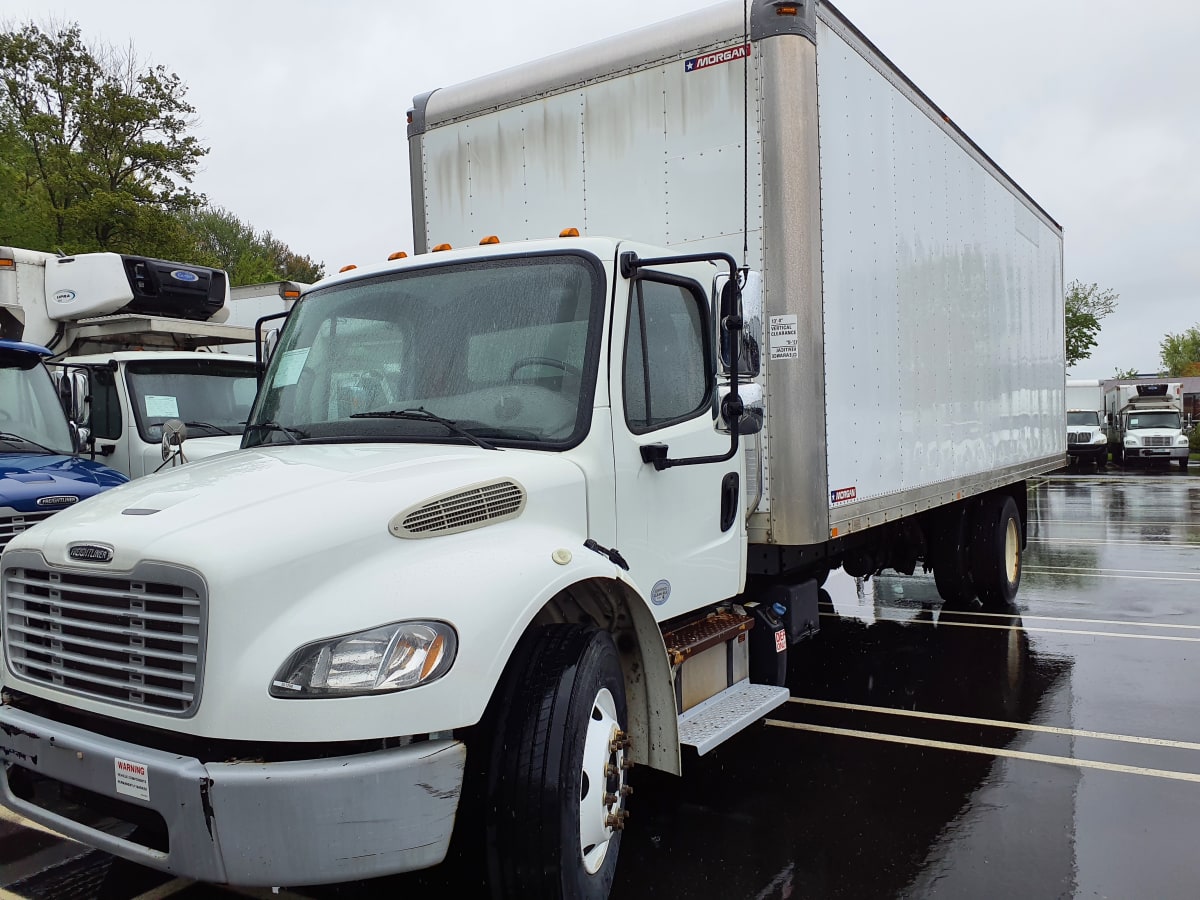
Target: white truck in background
point(134, 342)
point(1087, 438)
point(1146, 423)
point(544, 507)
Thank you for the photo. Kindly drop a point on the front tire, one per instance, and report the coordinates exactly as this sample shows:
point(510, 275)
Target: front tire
point(996, 551)
point(556, 783)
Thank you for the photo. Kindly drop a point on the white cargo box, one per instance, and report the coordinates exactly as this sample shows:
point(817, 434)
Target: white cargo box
point(913, 292)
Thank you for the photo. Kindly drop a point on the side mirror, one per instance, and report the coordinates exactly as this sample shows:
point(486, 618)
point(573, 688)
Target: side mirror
point(752, 410)
point(750, 307)
point(81, 437)
point(174, 433)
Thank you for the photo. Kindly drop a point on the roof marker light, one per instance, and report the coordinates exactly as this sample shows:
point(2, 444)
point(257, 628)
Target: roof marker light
point(569, 232)
point(347, 268)
point(399, 254)
point(490, 239)
point(440, 247)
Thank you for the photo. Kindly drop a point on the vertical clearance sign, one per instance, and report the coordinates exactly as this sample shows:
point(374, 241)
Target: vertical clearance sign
point(708, 60)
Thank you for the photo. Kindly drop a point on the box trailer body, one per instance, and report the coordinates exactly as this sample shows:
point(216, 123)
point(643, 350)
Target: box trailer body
point(910, 286)
point(592, 481)
point(1145, 423)
point(1087, 437)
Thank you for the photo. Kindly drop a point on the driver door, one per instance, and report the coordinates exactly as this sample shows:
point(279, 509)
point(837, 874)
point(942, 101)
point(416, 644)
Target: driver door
point(681, 529)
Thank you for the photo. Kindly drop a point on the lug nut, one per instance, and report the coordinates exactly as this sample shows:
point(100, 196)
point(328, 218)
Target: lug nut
point(626, 764)
point(626, 790)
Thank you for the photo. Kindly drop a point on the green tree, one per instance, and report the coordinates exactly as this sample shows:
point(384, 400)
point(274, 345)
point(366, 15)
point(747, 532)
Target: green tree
point(1125, 373)
point(95, 143)
point(223, 240)
point(1181, 352)
point(1086, 305)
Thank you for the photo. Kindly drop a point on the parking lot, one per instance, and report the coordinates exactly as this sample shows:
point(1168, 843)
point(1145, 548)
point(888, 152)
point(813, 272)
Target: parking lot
point(1049, 751)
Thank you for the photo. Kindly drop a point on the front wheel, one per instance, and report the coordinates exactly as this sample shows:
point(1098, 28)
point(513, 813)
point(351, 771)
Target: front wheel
point(557, 780)
point(1183, 464)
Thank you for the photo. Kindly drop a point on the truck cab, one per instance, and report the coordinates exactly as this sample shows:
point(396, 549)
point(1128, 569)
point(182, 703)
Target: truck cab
point(41, 471)
point(130, 395)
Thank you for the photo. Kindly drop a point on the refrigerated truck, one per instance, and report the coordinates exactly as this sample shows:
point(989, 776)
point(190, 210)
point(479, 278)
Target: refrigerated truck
point(558, 501)
point(1146, 423)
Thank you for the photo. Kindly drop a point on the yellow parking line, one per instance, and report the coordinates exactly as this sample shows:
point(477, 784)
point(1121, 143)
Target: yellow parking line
point(998, 752)
point(998, 723)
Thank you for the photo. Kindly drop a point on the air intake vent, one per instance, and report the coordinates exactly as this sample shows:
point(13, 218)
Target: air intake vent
point(473, 507)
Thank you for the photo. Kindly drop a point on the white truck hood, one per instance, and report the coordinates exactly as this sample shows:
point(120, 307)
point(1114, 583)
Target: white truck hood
point(229, 512)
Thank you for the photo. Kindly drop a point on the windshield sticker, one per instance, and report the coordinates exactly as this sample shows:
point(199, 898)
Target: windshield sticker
point(708, 60)
point(785, 340)
point(159, 406)
point(290, 366)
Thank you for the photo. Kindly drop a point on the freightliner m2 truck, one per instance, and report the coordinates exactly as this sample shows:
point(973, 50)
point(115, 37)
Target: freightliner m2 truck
point(41, 471)
point(557, 500)
point(1145, 423)
point(133, 341)
point(1087, 440)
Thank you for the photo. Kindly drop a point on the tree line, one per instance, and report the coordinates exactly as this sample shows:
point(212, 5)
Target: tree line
point(1087, 304)
point(96, 154)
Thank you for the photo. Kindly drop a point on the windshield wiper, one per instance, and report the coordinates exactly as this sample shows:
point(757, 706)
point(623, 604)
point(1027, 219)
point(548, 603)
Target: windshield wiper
point(217, 428)
point(421, 414)
point(18, 439)
point(289, 433)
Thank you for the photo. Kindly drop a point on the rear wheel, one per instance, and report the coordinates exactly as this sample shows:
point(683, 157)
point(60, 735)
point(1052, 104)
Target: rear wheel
point(556, 783)
point(996, 550)
point(950, 555)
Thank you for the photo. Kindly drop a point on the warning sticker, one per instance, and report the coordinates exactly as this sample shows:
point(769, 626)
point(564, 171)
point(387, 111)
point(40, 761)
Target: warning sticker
point(133, 779)
point(785, 338)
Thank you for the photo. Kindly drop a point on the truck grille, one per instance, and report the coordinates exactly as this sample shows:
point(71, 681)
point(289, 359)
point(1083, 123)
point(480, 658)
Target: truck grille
point(11, 526)
point(1156, 441)
point(1079, 437)
point(119, 639)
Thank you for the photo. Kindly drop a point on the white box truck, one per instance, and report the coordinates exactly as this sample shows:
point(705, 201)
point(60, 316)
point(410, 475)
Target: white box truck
point(1146, 423)
point(134, 340)
point(544, 507)
point(1087, 439)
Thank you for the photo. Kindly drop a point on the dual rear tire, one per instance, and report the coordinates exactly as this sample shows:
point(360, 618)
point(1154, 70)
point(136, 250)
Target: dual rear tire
point(976, 550)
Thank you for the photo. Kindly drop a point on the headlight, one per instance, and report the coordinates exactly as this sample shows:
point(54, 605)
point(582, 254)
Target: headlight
point(385, 659)
point(1181, 441)
point(1131, 442)
point(1099, 439)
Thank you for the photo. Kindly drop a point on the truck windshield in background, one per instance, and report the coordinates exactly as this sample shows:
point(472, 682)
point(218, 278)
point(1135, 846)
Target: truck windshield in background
point(506, 350)
point(211, 397)
point(1083, 418)
point(31, 418)
point(1154, 419)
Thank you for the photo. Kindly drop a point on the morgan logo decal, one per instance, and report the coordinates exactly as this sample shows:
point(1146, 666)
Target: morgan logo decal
point(708, 60)
point(57, 500)
point(841, 495)
point(90, 553)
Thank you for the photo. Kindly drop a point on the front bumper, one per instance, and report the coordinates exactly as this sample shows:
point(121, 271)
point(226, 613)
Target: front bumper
point(1088, 451)
point(1171, 453)
point(244, 823)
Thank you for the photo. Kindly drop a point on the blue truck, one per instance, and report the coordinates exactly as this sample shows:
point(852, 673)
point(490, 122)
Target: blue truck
point(41, 471)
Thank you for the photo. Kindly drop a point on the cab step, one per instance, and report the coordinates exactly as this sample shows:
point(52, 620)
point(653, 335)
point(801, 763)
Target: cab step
point(723, 715)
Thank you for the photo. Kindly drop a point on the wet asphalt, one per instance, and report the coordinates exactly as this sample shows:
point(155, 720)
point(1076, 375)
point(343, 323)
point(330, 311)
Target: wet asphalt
point(1047, 751)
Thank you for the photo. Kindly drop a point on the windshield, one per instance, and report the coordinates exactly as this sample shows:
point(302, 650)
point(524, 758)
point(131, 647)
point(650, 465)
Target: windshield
point(31, 418)
point(504, 351)
point(1083, 418)
point(1162, 419)
point(213, 396)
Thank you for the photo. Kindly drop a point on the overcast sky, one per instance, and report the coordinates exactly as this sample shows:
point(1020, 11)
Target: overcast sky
point(1091, 105)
